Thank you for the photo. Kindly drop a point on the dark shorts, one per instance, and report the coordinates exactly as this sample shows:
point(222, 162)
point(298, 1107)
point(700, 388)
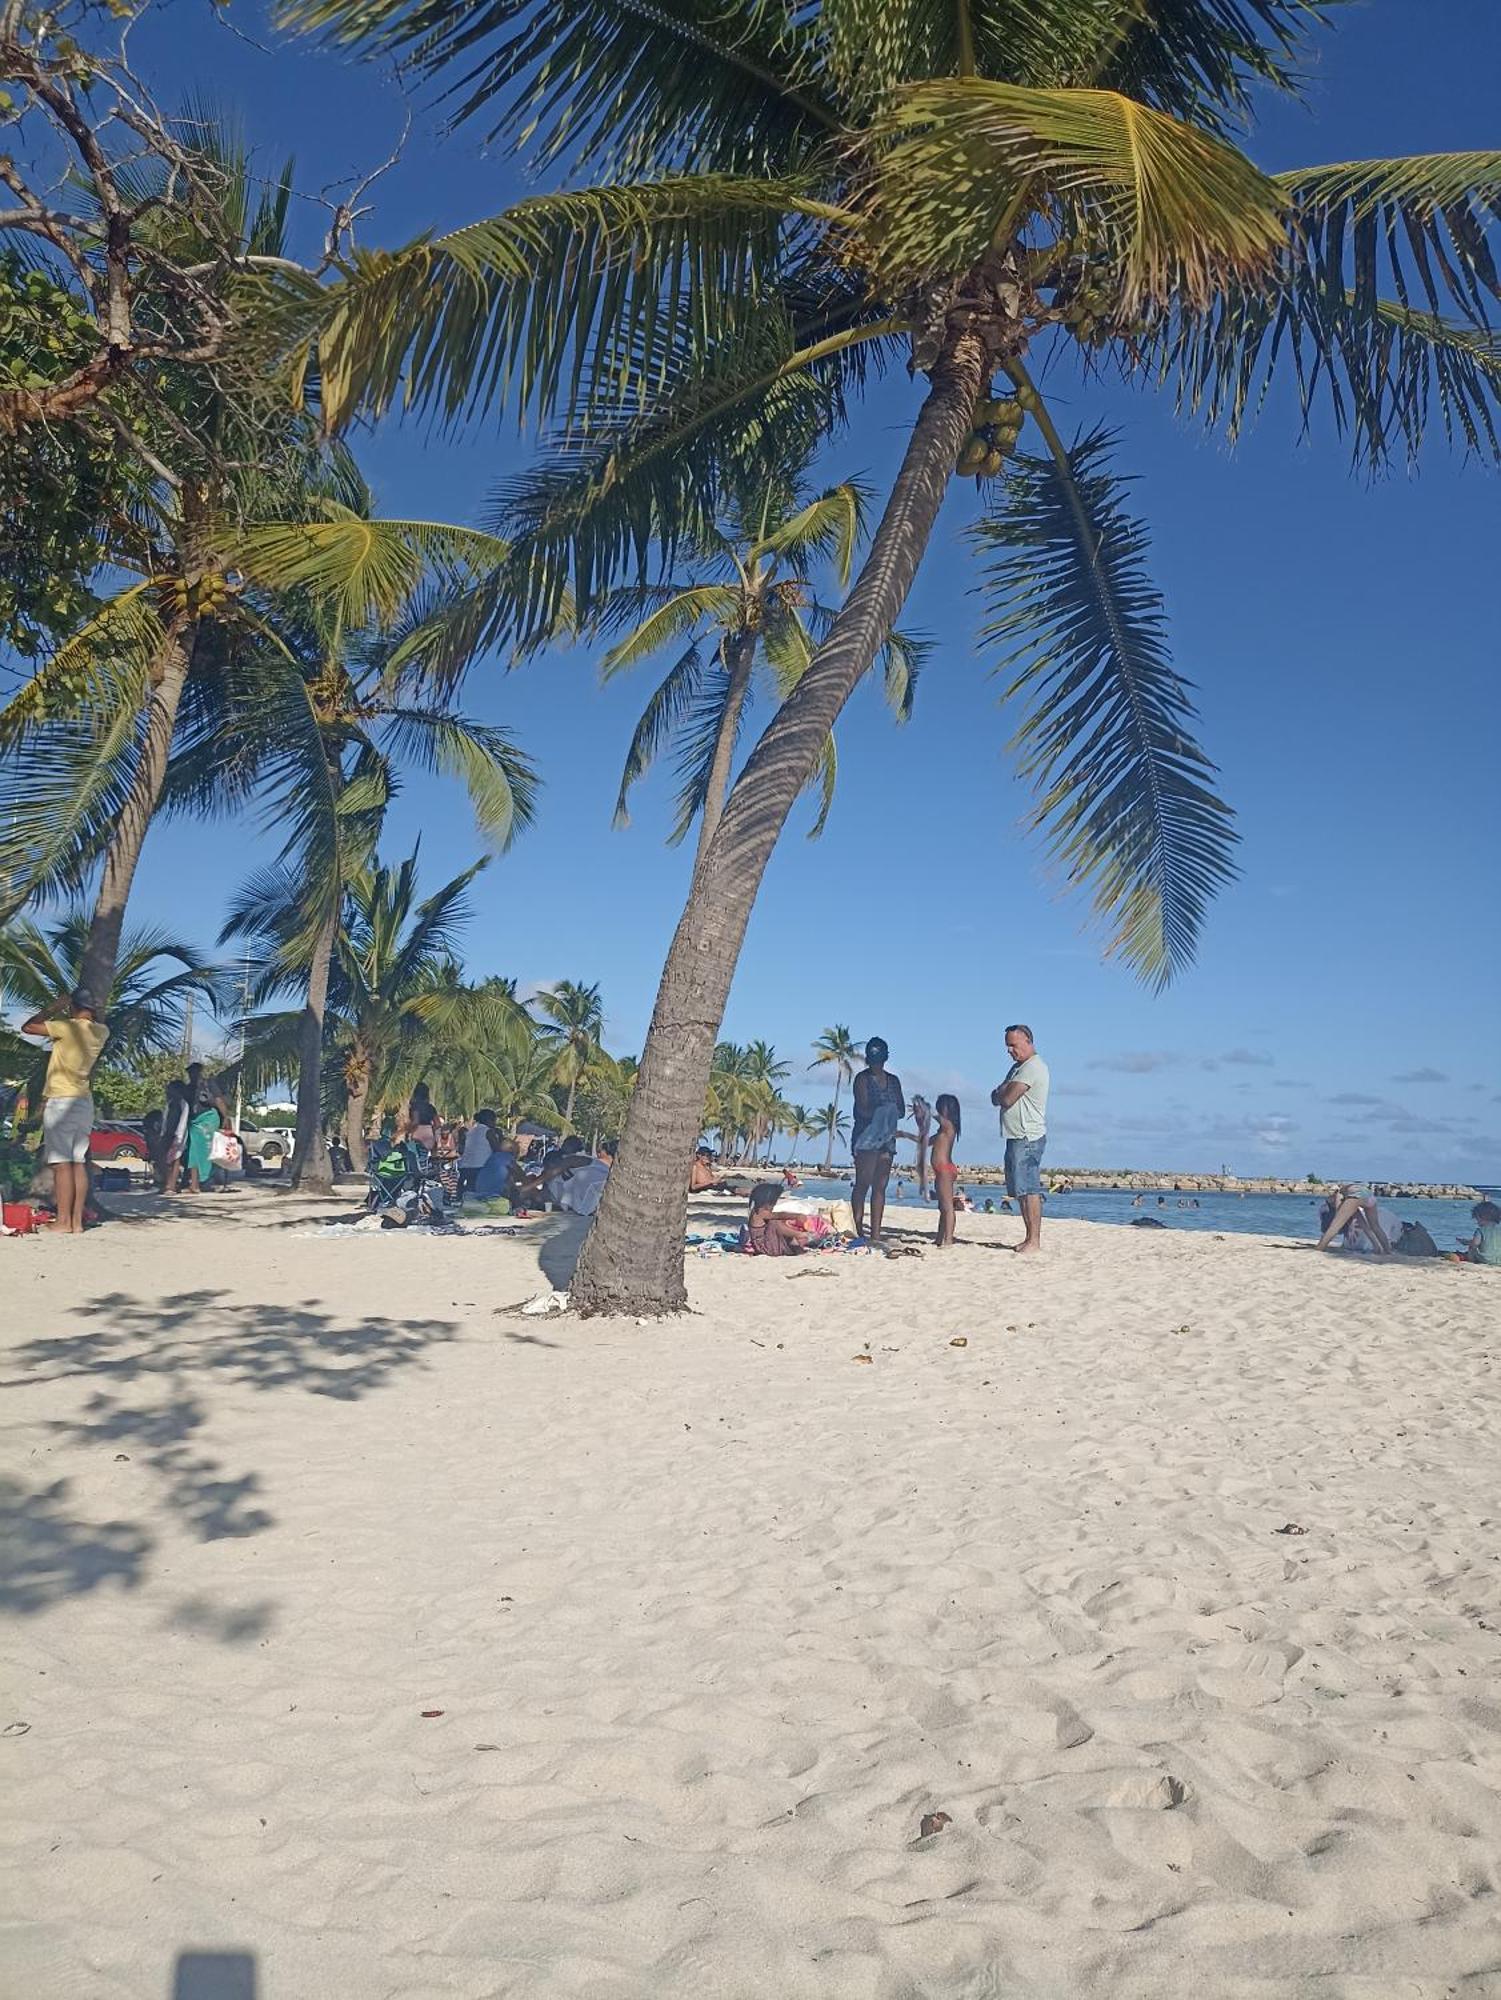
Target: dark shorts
point(875, 1166)
point(1024, 1166)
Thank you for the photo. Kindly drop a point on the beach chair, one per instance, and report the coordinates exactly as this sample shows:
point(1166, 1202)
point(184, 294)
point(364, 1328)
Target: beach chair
point(404, 1182)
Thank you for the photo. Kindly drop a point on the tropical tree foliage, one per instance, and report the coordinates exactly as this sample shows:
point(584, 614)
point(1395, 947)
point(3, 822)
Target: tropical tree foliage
point(157, 977)
point(753, 613)
point(971, 189)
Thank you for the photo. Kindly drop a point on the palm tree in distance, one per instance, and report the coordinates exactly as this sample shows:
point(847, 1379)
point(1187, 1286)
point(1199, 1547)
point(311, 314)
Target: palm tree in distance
point(978, 191)
point(574, 1019)
point(836, 1048)
point(796, 1129)
point(754, 607)
point(832, 1123)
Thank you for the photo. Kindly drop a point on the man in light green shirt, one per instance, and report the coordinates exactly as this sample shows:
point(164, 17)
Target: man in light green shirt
point(1023, 1101)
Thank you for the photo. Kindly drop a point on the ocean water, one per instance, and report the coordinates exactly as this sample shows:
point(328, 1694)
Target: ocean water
point(1286, 1215)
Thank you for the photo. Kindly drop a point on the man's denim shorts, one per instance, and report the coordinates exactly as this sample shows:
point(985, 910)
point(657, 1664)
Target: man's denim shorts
point(1024, 1166)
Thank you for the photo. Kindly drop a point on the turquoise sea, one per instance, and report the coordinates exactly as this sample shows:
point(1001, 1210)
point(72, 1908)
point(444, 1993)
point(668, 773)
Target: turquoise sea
point(1286, 1215)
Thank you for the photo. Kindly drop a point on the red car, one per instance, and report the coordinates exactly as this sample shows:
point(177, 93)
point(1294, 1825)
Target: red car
point(119, 1142)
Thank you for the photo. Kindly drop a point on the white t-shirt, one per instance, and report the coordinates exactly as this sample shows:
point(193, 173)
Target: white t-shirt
point(476, 1147)
point(1028, 1117)
point(580, 1192)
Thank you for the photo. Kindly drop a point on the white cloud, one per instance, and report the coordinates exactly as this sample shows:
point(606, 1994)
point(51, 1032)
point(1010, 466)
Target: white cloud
point(1135, 1062)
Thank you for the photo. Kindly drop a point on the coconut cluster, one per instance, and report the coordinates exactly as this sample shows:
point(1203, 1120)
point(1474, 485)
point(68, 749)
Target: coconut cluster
point(997, 426)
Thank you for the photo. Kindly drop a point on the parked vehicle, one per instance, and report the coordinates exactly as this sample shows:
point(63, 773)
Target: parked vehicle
point(268, 1150)
point(119, 1142)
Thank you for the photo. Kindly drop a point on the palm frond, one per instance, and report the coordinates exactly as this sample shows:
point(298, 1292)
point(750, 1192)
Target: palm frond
point(1417, 226)
point(673, 700)
point(829, 527)
point(789, 650)
point(697, 741)
point(363, 569)
point(706, 603)
point(599, 283)
point(1123, 792)
point(1380, 254)
point(902, 661)
point(605, 504)
point(1182, 211)
point(616, 81)
point(500, 779)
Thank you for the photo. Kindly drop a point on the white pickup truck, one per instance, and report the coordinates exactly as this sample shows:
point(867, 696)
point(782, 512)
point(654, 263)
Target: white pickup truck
point(268, 1150)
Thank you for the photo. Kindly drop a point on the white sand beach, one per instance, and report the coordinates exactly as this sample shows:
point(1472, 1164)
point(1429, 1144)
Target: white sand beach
point(400, 1649)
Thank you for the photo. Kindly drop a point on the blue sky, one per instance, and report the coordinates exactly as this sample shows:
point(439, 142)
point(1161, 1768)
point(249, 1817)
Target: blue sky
point(1342, 1015)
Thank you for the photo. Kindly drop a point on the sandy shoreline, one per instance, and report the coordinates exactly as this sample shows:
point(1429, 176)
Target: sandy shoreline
point(715, 1613)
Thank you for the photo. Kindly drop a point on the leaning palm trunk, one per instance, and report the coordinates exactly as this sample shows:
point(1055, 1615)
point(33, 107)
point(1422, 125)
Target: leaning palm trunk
point(169, 674)
point(312, 1170)
point(632, 1261)
point(740, 657)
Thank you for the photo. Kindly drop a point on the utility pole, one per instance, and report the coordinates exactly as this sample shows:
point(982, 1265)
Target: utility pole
point(240, 1066)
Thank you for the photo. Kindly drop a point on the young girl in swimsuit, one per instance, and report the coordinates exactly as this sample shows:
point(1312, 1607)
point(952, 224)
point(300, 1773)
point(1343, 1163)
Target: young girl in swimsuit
point(945, 1173)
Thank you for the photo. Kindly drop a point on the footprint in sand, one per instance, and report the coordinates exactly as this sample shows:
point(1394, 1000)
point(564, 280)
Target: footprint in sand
point(1248, 1676)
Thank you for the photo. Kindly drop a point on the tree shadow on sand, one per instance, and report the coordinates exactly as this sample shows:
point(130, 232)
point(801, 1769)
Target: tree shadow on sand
point(148, 1361)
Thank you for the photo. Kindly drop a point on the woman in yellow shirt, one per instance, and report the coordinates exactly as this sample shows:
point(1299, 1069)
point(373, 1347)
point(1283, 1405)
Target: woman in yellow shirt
point(68, 1111)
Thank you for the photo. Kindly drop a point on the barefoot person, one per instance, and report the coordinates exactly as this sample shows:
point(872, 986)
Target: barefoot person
point(1356, 1201)
point(68, 1108)
point(879, 1105)
point(1023, 1101)
point(945, 1172)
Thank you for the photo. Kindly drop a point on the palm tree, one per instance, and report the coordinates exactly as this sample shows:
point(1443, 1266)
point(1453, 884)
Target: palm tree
point(978, 189)
point(830, 1122)
point(156, 975)
point(396, 1011)
point(574, 1020)
point(796, 1128)
point(744, 612)
point(836, 1047)
point(319, 717)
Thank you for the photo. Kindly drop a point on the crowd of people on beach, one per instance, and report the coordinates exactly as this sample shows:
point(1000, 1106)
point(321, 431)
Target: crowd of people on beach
point(474, 1161)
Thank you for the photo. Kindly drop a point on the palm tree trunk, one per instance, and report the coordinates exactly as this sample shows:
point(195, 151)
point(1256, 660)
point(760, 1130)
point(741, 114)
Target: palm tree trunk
point(632, 1261)
point(354, 1122)
point(740, 657)
point(169, 674)
point(573, 1089)
point(312, 1170)
point(828, 1158)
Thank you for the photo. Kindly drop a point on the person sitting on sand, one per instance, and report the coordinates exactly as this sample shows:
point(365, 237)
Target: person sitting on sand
point(1356, 1199)
point(580, 1187)
point(768, 1234)
point(477, 1147)
point(77, 1036)
point(492, 1177)
point(945, 1173)
point(1484, 1247)
point(879, 1105)
point(702, 1178)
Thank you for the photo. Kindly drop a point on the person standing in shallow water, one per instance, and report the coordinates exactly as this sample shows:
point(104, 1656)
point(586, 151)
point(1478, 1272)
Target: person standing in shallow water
point(1022, 1098)
point(879, 1106)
